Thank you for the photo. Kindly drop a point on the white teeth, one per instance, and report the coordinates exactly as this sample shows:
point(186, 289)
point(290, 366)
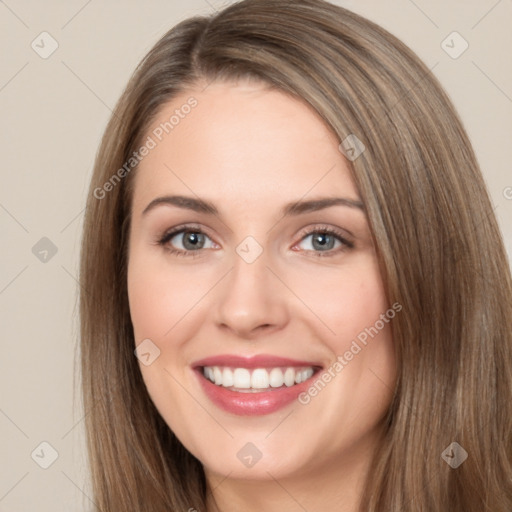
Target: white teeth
point(289, 377)
point(241, 378)
point(276, 378)
point(257, 379)
point(227, 378)
point(307, 374)
point(303, 375)
point(217, 375)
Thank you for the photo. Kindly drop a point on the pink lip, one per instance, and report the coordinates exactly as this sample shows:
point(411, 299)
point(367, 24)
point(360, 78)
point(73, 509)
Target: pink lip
point(258, 361)
point(251, 404)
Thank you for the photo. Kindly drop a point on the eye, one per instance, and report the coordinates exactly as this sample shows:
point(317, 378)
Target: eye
point(182, 240)
point(324, 240)
point(187, 240)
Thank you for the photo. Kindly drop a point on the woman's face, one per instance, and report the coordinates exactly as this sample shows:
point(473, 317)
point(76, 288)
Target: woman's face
point(251, 265)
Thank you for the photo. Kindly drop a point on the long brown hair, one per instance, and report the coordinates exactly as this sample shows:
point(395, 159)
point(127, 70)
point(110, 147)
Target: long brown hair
point(438, 244)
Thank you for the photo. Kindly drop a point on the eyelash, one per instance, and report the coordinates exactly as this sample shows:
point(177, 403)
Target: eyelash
point(323, 230)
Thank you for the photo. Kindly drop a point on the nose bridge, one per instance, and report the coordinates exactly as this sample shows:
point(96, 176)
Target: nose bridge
point(250, 297)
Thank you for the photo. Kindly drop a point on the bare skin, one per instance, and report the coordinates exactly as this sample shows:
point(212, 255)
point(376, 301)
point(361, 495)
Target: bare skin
point(250, 151)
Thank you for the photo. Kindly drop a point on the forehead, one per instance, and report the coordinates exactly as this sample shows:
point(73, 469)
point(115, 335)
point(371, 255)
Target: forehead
point(240, 143)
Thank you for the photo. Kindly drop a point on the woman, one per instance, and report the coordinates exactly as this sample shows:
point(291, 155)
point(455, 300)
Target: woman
point(288, 226)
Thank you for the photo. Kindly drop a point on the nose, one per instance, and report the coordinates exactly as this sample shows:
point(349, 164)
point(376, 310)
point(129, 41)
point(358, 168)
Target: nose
point(251, 300)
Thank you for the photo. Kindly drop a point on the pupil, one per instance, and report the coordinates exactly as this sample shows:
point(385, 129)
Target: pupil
point(321, 240)
point(192, 240)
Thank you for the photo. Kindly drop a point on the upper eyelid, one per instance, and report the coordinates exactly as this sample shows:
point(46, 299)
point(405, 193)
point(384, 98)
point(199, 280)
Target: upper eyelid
point(325, 227)
point(176, 230)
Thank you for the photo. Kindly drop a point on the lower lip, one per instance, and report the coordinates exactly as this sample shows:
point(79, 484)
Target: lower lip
point(251, 404)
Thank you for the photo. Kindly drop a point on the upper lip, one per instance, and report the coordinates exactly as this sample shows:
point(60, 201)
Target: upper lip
point(256, 361)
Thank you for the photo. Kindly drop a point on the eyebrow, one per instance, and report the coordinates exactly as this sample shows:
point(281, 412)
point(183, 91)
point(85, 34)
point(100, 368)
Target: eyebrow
point(293, 208)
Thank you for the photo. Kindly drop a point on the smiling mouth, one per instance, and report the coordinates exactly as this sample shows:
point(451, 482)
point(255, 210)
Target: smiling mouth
point(257, 380)
point(254, 385)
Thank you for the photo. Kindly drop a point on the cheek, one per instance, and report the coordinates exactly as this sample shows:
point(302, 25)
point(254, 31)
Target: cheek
point(357, 329)
point(160, 295)
point(350, 398)
point(152, 303)
point(360, 305)
point(159, 298)
point(346, 301)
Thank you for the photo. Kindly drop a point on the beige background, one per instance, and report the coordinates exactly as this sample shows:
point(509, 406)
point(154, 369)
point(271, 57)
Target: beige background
point(53, 113)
